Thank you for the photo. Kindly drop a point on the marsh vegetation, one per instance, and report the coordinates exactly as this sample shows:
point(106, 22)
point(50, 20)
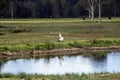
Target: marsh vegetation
point(26, 34)
point(101, 76)
point(42, 34)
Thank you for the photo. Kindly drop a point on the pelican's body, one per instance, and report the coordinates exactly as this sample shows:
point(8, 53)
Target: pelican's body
point(60, 38)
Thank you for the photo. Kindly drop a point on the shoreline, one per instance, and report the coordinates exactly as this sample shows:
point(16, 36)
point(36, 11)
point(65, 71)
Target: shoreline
point(96, 76)
point(37, 53)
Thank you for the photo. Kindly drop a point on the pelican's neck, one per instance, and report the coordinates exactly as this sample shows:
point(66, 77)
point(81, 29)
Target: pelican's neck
point(60, 35)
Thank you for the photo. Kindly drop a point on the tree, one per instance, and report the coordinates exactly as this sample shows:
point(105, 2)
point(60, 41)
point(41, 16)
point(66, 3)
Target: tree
point(30, 4)
point(55, 8)
point(80, 9)
point(59, 8)
point(43, 9)
point(64, 7)
point(4, 8)
point(12, 8)
point(99, 4)
point(92, 6)
point(22, 12)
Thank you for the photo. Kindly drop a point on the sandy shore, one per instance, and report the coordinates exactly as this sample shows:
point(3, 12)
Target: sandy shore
point(36, 53)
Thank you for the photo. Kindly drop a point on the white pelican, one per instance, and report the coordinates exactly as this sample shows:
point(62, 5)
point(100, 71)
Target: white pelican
point(60, 38)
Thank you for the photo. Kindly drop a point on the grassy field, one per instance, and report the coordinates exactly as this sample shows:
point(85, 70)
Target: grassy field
point(29, 33)
point(26, 34)
point(23, 76)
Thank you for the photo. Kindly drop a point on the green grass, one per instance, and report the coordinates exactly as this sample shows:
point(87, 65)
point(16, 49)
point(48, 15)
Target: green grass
point(50, 45)
point(42, 33)
point(100, 76)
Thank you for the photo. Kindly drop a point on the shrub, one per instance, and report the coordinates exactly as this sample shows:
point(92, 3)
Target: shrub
point(48, 45)
point(20, 29)
point(38, 47)
point(21, 75)
point(75, 44)
point(6, 75)
point(95, 42)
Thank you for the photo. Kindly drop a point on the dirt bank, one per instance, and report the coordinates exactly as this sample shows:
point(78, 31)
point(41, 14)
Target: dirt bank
point(37, 53)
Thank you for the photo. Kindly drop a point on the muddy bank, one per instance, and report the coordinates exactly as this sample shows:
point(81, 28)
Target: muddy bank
point(37, 53)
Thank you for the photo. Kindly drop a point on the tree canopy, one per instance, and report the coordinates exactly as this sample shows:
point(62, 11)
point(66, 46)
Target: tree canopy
point(58, 8)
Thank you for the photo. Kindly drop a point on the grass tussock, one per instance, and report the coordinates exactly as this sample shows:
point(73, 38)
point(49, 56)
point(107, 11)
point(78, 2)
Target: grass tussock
point(58, 45)
point(103, 43)
point(100, 76)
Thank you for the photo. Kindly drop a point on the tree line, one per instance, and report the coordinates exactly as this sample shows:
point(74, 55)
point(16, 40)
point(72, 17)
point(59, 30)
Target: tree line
point(59, 8)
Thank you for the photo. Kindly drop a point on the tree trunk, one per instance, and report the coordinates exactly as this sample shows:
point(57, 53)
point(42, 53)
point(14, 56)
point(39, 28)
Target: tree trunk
point(12, 9)
point(92, 10)
point(114, 8)
point(99, 5)
point(12, 13)
point(92, 13)
point(89, 13)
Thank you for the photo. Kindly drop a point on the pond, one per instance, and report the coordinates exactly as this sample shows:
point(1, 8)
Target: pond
point(64, 64)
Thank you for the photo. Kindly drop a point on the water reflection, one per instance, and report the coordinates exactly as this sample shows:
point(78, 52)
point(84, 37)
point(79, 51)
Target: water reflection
point(65, 64)
point(1, 65)
point(100, 65)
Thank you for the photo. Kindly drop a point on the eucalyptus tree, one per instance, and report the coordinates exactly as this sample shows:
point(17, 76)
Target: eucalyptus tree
point(12, 8)
point(99, 4)
point(91, 8)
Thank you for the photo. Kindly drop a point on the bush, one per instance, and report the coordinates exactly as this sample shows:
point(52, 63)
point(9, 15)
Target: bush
point(75, 44)
point(20, 29)
point(6, 75)
point(38, 47)
point(95, 42)
point(46, 45)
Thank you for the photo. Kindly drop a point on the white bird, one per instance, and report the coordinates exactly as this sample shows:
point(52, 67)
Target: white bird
point(60, 38)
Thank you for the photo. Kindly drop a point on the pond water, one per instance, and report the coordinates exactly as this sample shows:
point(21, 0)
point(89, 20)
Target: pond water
point(64, 64)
